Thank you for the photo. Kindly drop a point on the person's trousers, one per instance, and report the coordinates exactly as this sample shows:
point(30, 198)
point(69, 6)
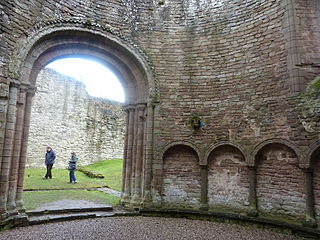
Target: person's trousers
point(49, 174)
point(72, 176)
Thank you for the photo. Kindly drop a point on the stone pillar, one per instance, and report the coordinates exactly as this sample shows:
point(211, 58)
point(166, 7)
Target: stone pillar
point(310, 220)
point(252, 192)
point(13, 179)
point(204, 187)
point(129, 153)
point(147, 197)
point(7, 149)
point(139, 153)
point(23, 149)
point(125, 153)
point(134, 150)
point(157, 164)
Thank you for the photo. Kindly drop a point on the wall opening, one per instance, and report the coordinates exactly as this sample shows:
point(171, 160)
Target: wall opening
point(74, 111)
point(125, 60)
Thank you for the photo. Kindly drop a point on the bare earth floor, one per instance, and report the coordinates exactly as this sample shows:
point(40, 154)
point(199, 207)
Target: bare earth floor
point(141, 228)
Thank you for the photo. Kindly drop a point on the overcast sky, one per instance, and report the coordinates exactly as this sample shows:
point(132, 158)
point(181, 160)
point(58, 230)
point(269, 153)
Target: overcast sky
point(99, 80)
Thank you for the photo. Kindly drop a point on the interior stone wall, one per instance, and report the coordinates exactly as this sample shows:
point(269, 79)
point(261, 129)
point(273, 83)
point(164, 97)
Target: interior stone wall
point(240, 66)
point(228, 184)
point(65, 117)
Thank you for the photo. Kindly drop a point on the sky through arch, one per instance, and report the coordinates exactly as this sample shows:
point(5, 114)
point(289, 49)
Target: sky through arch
point(99, 80)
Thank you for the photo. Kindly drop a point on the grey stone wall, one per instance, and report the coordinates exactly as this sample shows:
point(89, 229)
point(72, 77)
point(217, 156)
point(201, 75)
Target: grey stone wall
point(65, 117)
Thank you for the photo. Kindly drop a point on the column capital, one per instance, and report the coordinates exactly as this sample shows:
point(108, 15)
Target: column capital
point(129, 108)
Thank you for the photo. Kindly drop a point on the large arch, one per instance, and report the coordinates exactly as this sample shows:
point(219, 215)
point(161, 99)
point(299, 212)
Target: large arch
point(62, 39)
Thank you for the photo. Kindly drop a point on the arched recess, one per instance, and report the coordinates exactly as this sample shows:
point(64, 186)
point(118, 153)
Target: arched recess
point(314, 158)
point(181, 182)
point(131, 67)
point(228, 177)
point(280, 181)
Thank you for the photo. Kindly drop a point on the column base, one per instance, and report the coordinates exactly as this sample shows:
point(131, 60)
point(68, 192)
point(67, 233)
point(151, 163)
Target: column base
point(125, 200)
point(252, 212)
point(310, 222)
point(20, 206)
point(204, 207)
point(136, 202)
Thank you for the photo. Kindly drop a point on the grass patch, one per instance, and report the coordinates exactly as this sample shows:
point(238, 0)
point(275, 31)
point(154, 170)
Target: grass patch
point(33, 180)
point(32, 200)
point(111, 170)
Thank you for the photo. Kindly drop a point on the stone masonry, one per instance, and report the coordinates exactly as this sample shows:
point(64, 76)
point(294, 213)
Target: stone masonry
point(65, 117)
point(222, 99)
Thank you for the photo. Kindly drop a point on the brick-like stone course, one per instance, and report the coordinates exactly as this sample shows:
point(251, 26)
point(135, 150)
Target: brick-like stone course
point(237, 64)
point(280, 183)
point(181, 178)
point(228, 178)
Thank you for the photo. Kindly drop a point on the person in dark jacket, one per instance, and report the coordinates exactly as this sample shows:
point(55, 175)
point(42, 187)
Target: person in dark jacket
point(49, 161)
point(72, 167)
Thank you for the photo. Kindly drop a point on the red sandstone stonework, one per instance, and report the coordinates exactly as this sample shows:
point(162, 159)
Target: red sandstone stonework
point(239, 65)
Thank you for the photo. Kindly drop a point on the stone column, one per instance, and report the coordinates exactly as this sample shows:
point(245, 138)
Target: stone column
point(125, 152)
point(23, 153)
point(7, 148)
point(13, 179)
point(134, 150)
point(310, 211)
point(252, 192)
point(129, 154)
point(139, 153)
point(204, 187)
point(147, 197)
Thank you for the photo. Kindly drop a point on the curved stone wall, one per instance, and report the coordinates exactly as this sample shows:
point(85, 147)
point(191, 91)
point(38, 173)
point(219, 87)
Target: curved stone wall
point(240, 66)
point(66, 118)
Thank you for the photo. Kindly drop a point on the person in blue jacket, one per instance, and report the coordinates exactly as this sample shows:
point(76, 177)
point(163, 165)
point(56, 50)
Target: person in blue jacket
point(49, 161)
point(72, 167)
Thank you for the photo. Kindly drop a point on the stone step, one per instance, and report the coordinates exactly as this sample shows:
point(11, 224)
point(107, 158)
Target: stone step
point(38, 219)
point(51, 211)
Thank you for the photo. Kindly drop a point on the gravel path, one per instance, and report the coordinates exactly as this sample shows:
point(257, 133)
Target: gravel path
point(140, 228)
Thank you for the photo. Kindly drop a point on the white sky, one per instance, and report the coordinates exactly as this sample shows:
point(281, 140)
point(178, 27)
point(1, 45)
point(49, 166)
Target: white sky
point(99, 80)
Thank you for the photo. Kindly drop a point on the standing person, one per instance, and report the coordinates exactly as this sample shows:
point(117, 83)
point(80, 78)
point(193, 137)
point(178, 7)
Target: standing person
point(72, 167)
point(49, 161)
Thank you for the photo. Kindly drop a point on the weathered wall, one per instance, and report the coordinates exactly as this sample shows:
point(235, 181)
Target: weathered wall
point(280, 182)
point(228, 184)
point(181, 178)
point(239, 65)
point(66, 118)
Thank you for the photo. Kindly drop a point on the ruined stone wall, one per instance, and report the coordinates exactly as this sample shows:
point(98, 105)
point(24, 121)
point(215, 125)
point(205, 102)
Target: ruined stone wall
point(228, 177)
point(65, 117)
point(239, 65)
point(181, 178)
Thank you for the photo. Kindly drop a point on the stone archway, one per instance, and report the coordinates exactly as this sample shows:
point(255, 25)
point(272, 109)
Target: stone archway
point(279, 180)
point(181, 179)
point(228, 181)
point(53, 41)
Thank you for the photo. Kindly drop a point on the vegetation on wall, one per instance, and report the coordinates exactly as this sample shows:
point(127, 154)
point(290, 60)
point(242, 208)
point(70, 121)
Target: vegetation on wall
point(309, 107)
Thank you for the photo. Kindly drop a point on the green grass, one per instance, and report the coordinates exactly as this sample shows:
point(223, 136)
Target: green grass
point(33, 180)
point(111, 169)
point(32, 200)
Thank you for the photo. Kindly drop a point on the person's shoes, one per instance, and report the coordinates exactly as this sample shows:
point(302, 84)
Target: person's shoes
point(75, 182)
point(44, 178)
